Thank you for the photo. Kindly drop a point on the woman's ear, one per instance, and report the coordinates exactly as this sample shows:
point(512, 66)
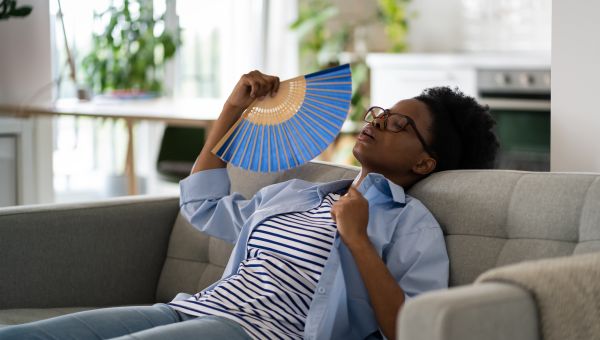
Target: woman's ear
point(424, 166)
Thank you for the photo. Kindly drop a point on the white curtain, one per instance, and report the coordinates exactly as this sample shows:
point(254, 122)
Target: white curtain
point(257, 36)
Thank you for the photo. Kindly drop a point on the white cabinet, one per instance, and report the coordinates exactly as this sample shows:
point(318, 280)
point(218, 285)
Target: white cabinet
point(25, 161)
point(15, 137)
point(400, 76)
point(8, 170)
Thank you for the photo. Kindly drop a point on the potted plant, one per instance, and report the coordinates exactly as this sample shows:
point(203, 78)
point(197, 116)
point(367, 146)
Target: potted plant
point(128, 55)
point(8, 8)
point(324, 45)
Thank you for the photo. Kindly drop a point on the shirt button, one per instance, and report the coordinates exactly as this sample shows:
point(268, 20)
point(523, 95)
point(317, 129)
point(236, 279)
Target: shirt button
point(321, 290)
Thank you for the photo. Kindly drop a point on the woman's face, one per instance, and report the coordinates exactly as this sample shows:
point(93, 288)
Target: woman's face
point(395, 153)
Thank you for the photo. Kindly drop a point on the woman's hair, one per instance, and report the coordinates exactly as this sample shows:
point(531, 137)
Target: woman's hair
point(461, 129)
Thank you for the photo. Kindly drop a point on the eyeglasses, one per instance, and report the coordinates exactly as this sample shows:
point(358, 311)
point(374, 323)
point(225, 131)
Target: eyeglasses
point(394, 122)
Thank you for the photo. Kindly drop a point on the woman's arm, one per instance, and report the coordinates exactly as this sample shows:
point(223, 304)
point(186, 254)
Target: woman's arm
point(351, 214)
point(384, 292)
point(417, 262)
point(250, 86)
point(205, 198)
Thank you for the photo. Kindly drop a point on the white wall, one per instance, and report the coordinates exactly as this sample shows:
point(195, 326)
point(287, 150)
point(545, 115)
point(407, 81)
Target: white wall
point(458, 25)
point(575, 128)
point(26, 78)
point(436, 26)
point(25, 54)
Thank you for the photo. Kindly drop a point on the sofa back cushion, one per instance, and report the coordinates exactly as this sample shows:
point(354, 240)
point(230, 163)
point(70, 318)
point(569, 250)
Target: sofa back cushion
point(490, 218)
point(195, 260)
point(82, 254)
point(497, 217)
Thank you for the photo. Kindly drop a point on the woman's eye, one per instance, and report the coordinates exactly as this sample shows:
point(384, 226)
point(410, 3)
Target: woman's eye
point(398, 126)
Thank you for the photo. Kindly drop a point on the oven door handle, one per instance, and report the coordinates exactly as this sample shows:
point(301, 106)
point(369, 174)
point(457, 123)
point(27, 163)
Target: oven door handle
point(516, 104)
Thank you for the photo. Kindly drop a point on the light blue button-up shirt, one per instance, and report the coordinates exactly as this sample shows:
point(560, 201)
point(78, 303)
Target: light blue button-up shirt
point(403, 231)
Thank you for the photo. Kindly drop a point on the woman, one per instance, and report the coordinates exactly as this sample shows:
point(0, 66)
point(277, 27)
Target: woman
point(312, 260)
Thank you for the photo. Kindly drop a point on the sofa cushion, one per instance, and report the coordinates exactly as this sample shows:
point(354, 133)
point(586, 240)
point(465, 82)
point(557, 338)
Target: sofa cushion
point(589, 227)
point(193, 262)
point(84, 254)
point(566, 291)
point(22, 315)
point(497, 217)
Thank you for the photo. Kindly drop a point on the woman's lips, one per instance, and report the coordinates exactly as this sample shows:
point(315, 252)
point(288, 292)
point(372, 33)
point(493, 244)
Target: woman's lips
point(365, 136)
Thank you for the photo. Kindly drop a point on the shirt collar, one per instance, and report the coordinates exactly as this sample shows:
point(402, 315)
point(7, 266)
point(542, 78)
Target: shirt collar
point(335, 186)
point(384, 185)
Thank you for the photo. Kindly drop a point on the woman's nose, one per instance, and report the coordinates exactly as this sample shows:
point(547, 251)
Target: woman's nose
point(378, 123)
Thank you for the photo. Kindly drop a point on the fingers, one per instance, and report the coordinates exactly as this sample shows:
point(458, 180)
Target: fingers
point(352, 192)
point(261, 84)
point(275, 87)
point(334, 211)
point(352, 195)
point(254, 82)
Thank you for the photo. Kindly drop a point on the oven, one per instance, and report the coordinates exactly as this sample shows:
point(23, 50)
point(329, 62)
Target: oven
point(519, 100)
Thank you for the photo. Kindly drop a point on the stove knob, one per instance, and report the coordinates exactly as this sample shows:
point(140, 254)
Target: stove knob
point(526, 79)
point(547, 79)
point(502, 79)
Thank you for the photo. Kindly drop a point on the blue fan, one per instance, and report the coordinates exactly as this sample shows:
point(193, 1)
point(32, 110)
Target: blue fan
point(288, 130)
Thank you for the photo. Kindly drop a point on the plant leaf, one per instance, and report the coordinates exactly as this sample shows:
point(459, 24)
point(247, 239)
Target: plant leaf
point(22, 11)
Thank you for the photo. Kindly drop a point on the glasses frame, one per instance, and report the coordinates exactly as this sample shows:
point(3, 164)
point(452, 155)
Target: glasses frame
point(386, 114)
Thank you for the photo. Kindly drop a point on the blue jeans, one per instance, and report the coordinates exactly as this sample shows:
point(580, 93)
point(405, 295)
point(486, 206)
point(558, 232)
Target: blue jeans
point(158, 321)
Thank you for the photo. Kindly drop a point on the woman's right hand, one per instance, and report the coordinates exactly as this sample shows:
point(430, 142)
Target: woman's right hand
point(251, 86)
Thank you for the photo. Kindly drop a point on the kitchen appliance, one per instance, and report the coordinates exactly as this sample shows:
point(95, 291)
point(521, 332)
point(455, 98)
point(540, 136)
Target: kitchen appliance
point(516, 86)
point(519, 100)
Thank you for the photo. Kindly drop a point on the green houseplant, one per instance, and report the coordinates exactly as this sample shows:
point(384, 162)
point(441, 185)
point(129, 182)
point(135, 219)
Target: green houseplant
point(129, 54)
point(323, 45)
point(8, 8)
point(394, 14)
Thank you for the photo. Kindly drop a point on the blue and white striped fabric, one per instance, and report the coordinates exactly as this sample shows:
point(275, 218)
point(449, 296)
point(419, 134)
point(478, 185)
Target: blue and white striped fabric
point(271, 293)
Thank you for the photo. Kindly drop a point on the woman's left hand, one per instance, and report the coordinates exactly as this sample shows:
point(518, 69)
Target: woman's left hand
point(351, 214)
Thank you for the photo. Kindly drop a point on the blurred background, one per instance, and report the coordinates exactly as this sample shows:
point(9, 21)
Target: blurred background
point(107, 98)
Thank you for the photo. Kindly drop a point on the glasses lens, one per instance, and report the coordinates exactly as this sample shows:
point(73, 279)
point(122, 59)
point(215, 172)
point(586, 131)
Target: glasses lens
point(397, 123)
point(373, 113)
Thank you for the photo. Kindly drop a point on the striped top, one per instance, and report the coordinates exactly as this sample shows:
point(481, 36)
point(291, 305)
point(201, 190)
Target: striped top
point(272, 290)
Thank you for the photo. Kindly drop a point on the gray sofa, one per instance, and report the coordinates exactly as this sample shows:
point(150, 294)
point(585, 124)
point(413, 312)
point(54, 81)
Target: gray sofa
point(56, 259)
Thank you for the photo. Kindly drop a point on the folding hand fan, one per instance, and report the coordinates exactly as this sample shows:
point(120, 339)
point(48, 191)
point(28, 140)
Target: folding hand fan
point(288, 130)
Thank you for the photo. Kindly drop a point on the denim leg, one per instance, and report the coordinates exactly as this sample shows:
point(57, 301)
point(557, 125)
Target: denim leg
point(95, 324)
point(204, 327)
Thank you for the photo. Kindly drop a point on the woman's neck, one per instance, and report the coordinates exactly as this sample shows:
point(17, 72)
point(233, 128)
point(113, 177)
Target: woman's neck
point(361, 175)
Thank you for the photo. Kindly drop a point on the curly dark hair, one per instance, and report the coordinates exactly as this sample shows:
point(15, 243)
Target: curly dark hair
point(461, 129)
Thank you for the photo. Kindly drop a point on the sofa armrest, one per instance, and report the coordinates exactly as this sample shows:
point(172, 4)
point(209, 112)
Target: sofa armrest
point(92, 254)
point(483, 311)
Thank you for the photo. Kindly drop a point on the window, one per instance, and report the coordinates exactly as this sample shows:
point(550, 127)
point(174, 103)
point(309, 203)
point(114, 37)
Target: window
point(221, 41)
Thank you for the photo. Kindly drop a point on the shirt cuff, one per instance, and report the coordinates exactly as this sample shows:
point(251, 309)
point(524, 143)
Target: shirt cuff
point(206, 184)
